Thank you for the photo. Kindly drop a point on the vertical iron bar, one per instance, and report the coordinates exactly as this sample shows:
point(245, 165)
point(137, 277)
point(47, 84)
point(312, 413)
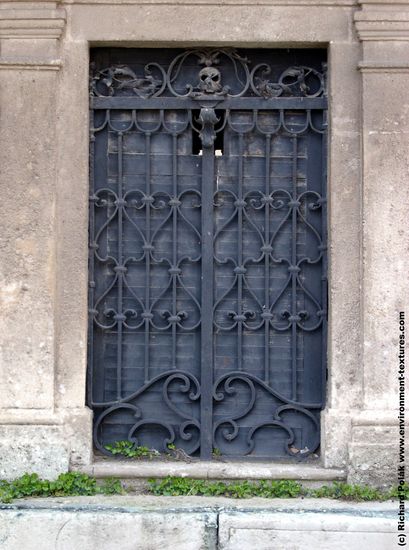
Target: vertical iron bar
point(240, 256)
point(119, 272)
point(91, 280)
point(147, 251)
point(267, 264)
point(174, 245)
point(324, 274)
point(206, 407)
point(293, 272)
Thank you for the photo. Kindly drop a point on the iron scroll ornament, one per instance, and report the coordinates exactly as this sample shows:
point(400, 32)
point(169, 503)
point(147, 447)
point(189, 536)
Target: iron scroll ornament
point(186, 435)
point(156, 80)
point(286, 415)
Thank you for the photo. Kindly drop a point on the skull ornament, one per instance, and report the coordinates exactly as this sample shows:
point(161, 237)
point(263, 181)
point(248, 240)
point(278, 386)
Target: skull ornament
point(210, 80)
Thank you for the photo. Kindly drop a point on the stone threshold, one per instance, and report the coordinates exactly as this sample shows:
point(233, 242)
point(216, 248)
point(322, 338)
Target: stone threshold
point(142, 469)
point(141, 504)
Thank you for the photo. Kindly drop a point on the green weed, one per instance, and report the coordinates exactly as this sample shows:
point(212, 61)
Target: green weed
point(67, 484)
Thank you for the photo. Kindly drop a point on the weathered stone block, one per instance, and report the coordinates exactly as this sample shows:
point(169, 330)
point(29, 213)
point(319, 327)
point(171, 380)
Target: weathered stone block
point(40, 449)
point(332, 531)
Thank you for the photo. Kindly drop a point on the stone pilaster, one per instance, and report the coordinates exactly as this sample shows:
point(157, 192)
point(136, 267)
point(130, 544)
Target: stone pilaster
point(30, 426)
point(383, 28)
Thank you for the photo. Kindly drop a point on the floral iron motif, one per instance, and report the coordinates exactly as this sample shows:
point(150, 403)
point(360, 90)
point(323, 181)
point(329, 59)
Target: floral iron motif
point(158, 80)
point(112, 80)
point(294, 81)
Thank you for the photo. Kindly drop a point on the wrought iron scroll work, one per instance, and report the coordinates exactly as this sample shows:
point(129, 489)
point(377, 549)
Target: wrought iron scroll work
point(133, 417)
point(298, 81)
point(266, 214)
point(228, 428)
point(156, 80)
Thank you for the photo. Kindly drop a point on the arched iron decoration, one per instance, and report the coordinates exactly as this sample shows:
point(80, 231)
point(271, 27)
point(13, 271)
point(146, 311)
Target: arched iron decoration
point(207, 300)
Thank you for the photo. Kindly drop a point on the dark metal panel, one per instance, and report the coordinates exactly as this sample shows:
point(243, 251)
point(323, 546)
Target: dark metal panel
point(207, 251)
point(147, 249)
point(260, 301)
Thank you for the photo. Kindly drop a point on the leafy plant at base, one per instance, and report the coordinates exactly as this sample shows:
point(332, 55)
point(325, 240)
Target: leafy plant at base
point(177, 486)
point(67, 484)
point(77, 484)
point(402, 490)
point(127, 448)
point(344, 491)
point(280, 489)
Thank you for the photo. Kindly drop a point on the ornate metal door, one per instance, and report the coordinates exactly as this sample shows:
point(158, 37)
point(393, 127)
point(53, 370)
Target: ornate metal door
point(208, 261)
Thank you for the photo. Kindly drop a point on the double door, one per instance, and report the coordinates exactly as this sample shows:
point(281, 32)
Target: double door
point(207, 296)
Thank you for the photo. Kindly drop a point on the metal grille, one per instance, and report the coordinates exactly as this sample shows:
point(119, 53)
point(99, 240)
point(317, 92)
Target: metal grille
point(208, 250)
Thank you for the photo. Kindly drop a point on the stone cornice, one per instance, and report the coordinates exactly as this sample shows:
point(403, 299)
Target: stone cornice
point(382, 3)
point(32, 23)
point(33, 65)
point(383, 21)
point(379, 67)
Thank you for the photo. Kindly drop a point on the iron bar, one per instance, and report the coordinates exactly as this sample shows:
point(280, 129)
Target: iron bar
point(294, 270)
point(324, 269)
point(267, 263)
point(172, 103)
point(174, 245)
point(119, 312)
point(207, 293)
point(147, 252)
point(240, 308)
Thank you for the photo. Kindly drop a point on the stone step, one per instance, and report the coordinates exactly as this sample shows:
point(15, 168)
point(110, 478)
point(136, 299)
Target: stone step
point(196, 523)
point(144, 469)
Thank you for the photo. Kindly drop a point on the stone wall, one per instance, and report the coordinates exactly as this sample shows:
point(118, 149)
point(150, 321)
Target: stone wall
point(44, 48)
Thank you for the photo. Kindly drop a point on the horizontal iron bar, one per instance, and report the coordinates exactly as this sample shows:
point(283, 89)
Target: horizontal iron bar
point(241, 103)
point(98, 405)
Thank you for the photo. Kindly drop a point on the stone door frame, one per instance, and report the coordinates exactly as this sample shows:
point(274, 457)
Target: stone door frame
point(43, 415)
